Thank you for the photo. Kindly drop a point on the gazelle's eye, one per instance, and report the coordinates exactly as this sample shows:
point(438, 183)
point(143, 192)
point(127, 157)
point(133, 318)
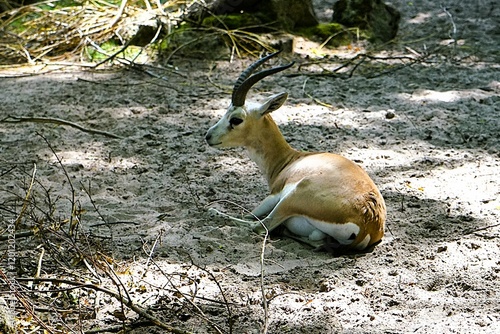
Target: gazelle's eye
point(234, 121)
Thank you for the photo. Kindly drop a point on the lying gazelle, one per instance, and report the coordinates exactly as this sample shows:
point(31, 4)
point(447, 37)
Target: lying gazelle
point(323, 199)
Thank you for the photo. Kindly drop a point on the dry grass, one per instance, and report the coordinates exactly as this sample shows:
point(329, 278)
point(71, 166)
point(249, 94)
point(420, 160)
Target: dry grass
point(55, 31)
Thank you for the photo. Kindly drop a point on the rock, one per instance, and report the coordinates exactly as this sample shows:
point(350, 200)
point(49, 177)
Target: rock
point(293, 14)
point(378, 20)
point(140, 30)
point(282, 14)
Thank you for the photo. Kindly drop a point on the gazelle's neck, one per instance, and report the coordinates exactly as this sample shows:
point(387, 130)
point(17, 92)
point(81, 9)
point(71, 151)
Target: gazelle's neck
point(270, 151)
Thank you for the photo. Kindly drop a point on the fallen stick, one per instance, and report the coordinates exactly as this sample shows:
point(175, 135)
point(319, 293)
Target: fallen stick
point(13, 119)
point(116, 295)
point(19, 235)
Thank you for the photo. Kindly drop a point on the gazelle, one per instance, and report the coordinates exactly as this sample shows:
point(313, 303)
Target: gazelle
point(323, 199)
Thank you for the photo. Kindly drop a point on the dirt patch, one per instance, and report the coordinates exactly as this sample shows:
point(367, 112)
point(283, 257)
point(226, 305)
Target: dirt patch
point(428, 134)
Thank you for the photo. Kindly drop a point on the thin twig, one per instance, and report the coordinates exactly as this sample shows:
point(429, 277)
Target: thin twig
point(94, 204)
point(18, 235)
point(226, 302)
point(194, 195)
point(72, 225)
point(321, 103)
point(13, 287)
point(127, 302)
point(7, 171)
point(114, 223)
point(265, 327)
point(150, 255)
point(13, 119)
point(119, 328)
point(112, 56)
point(196, 307)
point(480, 229)
point(356, 62)
point(454, 26)
point(26, 198)
point(118, 14)
point(262, 287)
point(39, 266)
point(220, 213)
point(119, 284)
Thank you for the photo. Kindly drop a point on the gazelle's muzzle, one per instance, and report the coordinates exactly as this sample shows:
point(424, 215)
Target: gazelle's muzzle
point(212, 139)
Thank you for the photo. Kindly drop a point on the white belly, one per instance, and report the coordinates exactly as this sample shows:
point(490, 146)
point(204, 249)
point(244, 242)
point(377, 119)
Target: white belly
point(317, 230)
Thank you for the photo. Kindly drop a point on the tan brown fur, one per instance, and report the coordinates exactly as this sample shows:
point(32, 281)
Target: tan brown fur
point(312, 193)
point(331, 189)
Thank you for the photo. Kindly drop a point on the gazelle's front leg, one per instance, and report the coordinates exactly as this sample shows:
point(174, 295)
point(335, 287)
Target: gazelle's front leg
point(262, 211)
point(265, 207)
point(272, 209)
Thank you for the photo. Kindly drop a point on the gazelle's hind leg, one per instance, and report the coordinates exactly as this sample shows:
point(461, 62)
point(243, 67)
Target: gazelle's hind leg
point(316, 244)
point(333, 247)
point(328, 245)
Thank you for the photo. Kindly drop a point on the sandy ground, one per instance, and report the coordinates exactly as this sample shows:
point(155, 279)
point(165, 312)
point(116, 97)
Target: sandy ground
point(428, 134)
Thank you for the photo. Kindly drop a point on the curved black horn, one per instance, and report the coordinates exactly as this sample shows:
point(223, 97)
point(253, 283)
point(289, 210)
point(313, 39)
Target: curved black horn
point(244, 83)
point(250, 69)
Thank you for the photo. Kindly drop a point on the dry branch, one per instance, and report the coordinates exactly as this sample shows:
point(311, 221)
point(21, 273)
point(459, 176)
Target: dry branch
point(18, 235)
point(26, 198)
point(13, 119)
point(265, 307)
point(59, 30)
point(63, 250)
point(116, 295)
point(14, 288)
point(119, 328)
point(347, 69)
point(188, 300)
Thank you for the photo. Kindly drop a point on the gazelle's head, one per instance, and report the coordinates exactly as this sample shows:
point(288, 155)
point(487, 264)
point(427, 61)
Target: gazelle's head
point(240, 122)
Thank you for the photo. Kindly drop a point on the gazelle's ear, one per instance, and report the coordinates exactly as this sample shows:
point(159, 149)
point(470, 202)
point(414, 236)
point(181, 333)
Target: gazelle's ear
point(274, 102)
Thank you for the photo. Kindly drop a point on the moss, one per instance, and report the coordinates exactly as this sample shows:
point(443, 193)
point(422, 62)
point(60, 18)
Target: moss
point(233, 21)
point(57, 4)
point(336, 32)
point(194, 41)
point(327, 29)
point(111, 46)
